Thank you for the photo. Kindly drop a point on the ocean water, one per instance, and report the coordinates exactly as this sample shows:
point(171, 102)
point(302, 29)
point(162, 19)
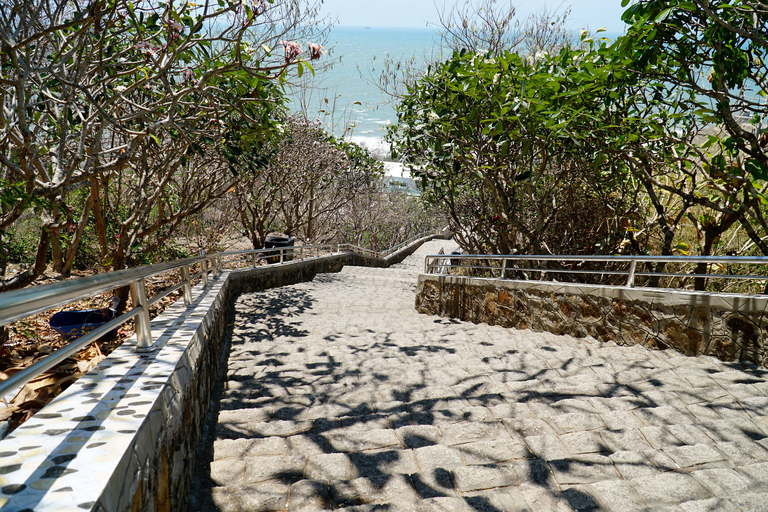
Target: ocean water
point(345, 97)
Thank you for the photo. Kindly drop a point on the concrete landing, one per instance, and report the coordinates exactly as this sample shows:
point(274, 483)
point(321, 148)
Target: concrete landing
point(340, 395)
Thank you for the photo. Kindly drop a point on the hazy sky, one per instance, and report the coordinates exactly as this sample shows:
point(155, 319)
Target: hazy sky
point(592, 14)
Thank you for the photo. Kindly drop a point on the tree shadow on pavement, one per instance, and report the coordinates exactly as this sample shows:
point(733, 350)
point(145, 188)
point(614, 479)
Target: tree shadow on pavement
point(533, 431)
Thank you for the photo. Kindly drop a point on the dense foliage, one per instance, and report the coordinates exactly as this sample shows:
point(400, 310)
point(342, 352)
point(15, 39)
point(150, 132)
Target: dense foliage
point(653, 143)
point(121, 119)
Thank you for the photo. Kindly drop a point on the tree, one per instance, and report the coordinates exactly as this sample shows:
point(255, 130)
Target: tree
point(715, 54)
point(306, 185)
point(511, 145)
point(93, 90)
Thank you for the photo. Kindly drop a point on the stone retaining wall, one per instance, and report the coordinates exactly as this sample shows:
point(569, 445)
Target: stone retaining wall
point(728, 326)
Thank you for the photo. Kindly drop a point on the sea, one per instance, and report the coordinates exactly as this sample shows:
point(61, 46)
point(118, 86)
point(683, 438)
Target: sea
point(344, 93)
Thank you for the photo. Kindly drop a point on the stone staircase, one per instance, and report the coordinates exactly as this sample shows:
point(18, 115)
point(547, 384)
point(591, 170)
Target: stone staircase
point(339, 395)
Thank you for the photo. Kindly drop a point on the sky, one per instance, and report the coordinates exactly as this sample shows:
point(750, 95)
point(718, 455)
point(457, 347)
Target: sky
point(591, 14)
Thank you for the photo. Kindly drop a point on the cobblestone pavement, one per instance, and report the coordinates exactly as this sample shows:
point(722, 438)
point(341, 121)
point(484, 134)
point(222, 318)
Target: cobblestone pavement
point(340, 395)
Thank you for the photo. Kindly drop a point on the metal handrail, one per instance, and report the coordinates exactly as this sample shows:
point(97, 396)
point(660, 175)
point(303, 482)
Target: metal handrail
point(437, 263)
point(18, 304)
point(399, 246)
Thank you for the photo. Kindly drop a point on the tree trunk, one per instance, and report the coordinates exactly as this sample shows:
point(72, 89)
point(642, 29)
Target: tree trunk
point(28, 277)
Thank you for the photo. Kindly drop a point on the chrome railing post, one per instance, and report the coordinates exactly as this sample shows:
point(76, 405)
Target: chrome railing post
point(143, 330)
point(631, 275)
point(253, 259)
point(281, 255)
point(187, 285)
point(504, 268)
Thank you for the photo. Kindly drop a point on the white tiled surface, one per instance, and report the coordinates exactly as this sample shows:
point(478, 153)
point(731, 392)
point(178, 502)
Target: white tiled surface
point(62, 459)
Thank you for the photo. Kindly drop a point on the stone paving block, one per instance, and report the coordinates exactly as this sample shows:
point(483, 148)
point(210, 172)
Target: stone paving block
point(668, 489)
point(584, 442)
point(617, 496)
point(528, 427)
point(228, 472)
point(244, 415)
point(533, 471)
point(286, 469)
point(664, 415)
point(575, 422)
point(547, 447)
point(262, 497)
point(756, 406)
point(728, 407)
point(510, 411)
point(508, 499)
point(580, 498)
point(744, 453)
point(281, 428)
point(583, 469)
point(478, 413)
point(689, 434)
point(661, 460)
point(659, 437)
point(467, 432)
point(309, 495)
point(429, 458)
point(359, 440)
point(474, 478)
point(434, 484)
point(709, 505)
point(690, 456)
point(382, 462)
point(629, 439)
point(243, 448)
point(728, 430)
point(541, 411)
point(493, 450)
point(722, 482)
point(404, 506)
point(364, 422)
point(703, 413)
point(703, 396)
point(618, 420)
point(612, 404)
point(363, 491)
point(752, 502)
point(444, 504)
point(542, 499)
point(438, 417)
point(756, 474)
point(330, 410)
point(416, 436)
point(329, 466)
point(633, 464)
point(390, 407)
point(307, 444)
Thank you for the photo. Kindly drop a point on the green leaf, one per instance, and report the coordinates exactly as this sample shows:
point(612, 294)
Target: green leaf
point(756, 169)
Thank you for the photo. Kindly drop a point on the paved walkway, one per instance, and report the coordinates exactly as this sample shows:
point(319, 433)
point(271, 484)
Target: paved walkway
point(340, 395)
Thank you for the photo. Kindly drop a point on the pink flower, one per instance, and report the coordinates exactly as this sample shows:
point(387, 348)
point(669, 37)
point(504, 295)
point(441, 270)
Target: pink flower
point(188, 75)
point(315, 51)
point(147, 49)
point(259, 6)
point(292, 50)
